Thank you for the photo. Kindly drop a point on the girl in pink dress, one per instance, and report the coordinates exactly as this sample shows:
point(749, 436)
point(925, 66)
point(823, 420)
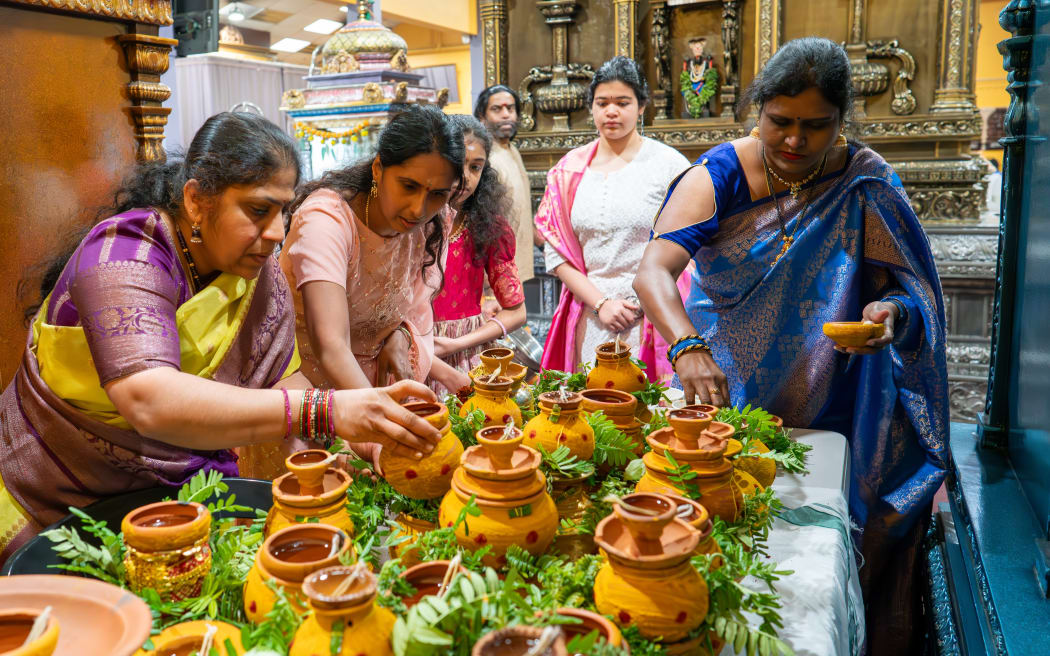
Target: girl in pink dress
point(363, 256)
point(481, 244)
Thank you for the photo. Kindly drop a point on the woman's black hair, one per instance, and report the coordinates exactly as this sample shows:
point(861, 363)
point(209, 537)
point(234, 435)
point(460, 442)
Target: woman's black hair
point(231, 148)
point(413, 130)
point(801, 64)
point(621, 69)
point(485, 211)
point(482, 105)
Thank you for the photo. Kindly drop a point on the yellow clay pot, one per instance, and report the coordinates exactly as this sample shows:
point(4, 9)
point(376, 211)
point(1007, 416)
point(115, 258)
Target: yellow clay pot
point(167, 548)
point(613, 369)
point(15, 625)
point(365, 627)
point(853, 333)
point(287, 557)
point(511, 493)
point(620, 408)
point(694, 440)
point(430, 477)
point(312, 491)
point(648, 579)
point(185, 638)
point(412, 528)
point(560, 424)
point(493, 398)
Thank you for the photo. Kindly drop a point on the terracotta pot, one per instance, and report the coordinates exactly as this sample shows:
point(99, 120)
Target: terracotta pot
point(494, 400)
point(167, 548)
point(426, 578)
point(645, 515)
point(430, 477)
point(648, 582)
point(763, 470)
point(613, 369)
point(694, 514)
point(705, 457)
point(589, 622)
point(559, 424)
point(309, 492)
point(366, 627)
point(511, 492)
point(185, 639)
point(412, 528)
point(572, 499)
point(706, 408)
point(309, 468)
point(287, 557)
point(15, 625)
point(516, 641)
point(620, 407)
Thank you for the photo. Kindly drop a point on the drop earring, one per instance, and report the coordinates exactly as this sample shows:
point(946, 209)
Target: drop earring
point(195, 234)
point(754, 132)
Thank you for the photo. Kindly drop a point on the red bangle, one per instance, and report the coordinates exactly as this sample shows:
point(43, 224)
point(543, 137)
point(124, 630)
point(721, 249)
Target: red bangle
point(287, 414)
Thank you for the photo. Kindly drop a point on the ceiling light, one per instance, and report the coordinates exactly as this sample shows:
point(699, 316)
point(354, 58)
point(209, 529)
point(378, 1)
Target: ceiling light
point(344, 9)
point(236, 12)
point(289, 45)
point(236, 16)
point(323, 26)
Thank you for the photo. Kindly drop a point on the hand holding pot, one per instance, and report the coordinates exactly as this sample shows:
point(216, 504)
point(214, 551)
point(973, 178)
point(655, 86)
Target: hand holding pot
point(875, 312)
point(375, 415)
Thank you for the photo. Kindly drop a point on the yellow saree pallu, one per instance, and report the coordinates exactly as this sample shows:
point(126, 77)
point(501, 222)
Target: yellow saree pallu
point(64, 442)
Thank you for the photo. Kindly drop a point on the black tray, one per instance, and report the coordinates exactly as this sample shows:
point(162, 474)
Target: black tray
point(36, 556)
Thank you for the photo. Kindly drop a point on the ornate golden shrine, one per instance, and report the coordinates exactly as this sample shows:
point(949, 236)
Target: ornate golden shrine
point(913, 68)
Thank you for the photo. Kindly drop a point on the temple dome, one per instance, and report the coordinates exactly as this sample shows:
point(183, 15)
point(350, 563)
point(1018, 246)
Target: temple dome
point(364, 39)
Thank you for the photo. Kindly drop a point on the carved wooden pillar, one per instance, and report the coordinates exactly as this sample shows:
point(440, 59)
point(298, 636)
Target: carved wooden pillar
point(626, 26)
point(660, 44)
point(494, 40)
point(148, 59)
point(857, 51)
point(730, 56)
point(770, 26)
point(1022, 119)
point(955, 58)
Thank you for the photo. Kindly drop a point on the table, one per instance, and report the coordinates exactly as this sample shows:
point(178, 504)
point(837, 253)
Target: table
point(823, 611)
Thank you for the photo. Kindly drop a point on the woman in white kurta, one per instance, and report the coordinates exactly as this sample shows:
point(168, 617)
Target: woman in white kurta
point(596, 216)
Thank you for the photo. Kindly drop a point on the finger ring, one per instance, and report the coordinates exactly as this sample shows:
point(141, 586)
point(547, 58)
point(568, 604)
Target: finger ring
point(714, 390)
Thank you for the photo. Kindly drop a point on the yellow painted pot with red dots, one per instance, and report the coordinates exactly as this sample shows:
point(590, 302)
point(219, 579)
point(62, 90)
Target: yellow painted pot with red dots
point(648, 579)
point(345, 620)
point(492, 395)
point(763, 470)
point(613, 369)
point(430, 477)
point(511, 493)
point(560, 424)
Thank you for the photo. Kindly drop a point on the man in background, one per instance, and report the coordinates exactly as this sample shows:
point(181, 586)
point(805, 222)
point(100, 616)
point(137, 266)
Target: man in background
point(499, 107)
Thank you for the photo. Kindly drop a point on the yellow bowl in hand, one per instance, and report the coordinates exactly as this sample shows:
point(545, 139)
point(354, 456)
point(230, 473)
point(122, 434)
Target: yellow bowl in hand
point(853, 333)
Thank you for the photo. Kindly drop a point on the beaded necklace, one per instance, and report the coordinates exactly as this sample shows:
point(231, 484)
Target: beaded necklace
point(789, 239)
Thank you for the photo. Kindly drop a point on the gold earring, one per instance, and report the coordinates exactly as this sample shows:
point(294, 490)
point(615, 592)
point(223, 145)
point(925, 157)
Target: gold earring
point(755, 132)
point(842, 141)
point(195, 234)
point(374, 191)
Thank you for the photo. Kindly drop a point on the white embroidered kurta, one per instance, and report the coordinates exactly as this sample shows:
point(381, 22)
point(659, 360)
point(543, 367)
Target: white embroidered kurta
point(612, 214)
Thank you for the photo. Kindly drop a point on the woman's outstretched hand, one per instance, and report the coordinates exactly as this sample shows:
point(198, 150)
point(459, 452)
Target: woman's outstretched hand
point(875, 312)
point(376, 415)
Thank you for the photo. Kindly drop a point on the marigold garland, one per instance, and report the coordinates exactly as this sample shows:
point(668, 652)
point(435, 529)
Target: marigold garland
point(309, 132)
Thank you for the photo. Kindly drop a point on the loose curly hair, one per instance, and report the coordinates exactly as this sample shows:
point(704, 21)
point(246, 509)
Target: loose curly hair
point(485, 211)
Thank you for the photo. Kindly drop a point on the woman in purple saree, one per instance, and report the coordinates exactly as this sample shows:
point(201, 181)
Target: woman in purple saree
point(154, 354)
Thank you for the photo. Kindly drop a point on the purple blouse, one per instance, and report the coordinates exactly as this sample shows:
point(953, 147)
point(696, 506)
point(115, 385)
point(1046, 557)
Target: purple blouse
point(123, 285)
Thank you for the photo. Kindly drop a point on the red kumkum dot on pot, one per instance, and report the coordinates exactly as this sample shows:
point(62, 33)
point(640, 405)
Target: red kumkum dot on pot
point(641, 379)
point(445, 468)
point(410, 474)
point(532, 537)
point(532, 434)
point(481, 539)
point(252, 607)
point(506, 418)
point(609, 385)
point(680, 618)
point(625, 617)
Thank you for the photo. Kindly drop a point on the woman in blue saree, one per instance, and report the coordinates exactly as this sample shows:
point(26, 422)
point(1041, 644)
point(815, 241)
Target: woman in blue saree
point(790, 228)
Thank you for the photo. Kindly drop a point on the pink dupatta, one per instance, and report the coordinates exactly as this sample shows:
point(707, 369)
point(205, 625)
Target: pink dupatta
point(553, 220)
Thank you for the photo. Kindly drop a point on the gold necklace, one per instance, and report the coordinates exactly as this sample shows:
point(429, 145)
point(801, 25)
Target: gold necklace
point(794, 187)
point(788, 239)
